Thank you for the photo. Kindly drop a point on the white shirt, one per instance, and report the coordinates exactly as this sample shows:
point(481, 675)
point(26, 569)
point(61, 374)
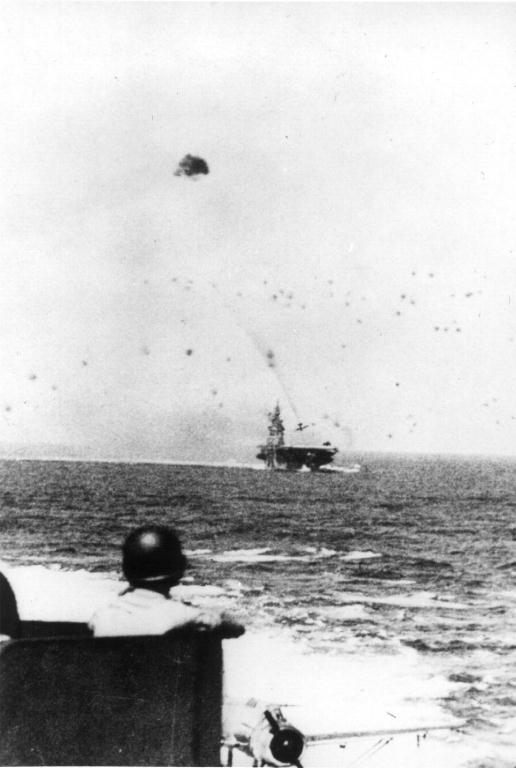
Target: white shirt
point(142, 612)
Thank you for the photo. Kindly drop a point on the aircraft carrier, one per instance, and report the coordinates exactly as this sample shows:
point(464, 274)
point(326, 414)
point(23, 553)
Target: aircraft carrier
point(278, 455)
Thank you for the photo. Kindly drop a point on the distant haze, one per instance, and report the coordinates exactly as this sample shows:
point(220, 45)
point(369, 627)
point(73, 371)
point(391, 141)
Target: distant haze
point(348, 247)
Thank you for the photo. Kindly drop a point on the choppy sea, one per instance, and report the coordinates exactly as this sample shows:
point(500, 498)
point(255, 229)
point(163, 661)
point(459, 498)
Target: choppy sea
point(411, 558)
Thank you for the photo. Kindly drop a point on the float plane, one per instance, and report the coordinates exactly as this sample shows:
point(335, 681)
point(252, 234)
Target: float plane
point(271, 740)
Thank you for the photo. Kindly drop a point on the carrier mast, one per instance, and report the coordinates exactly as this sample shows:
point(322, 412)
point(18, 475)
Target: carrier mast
point(275, 437)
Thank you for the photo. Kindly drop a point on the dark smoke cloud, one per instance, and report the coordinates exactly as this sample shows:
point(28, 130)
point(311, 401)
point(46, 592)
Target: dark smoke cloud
point(191, 166)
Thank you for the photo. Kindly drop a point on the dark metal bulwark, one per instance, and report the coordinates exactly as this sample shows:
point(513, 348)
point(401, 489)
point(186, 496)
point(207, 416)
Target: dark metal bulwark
point(112, 701)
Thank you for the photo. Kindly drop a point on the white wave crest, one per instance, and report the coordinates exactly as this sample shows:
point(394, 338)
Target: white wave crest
point(264, 555)
point(416, 600)
point(351, 469)
point(357, 556)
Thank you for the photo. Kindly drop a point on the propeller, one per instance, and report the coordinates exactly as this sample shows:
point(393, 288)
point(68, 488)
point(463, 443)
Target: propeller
point(287, 742)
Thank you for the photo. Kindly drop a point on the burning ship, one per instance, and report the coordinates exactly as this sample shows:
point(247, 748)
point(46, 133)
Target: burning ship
point(277, 455)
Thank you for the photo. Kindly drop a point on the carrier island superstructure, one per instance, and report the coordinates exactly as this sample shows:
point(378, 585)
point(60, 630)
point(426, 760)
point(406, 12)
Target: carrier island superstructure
point(278, 455)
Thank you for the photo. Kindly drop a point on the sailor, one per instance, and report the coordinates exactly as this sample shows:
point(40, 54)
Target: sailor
point(152, 563)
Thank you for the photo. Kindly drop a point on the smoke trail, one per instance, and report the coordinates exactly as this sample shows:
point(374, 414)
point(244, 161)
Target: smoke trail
point(272, 364)
point(265, 352)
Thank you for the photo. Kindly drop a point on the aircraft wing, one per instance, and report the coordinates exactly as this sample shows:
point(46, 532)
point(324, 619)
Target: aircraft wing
point(320, 738)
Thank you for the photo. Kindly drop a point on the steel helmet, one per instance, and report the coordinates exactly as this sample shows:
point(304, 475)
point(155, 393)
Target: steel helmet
point(151, 553)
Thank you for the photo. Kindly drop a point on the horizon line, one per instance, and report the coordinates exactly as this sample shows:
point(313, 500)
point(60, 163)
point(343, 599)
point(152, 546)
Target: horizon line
point(234, 464)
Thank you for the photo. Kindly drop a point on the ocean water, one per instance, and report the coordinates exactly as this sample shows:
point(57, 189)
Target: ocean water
point(412, 560)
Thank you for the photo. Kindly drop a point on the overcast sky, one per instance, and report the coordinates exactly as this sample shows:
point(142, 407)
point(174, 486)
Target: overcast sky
point(351, 252)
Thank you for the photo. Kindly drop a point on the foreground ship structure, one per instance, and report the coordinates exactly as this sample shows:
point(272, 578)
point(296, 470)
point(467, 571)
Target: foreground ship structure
point(278, 455)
